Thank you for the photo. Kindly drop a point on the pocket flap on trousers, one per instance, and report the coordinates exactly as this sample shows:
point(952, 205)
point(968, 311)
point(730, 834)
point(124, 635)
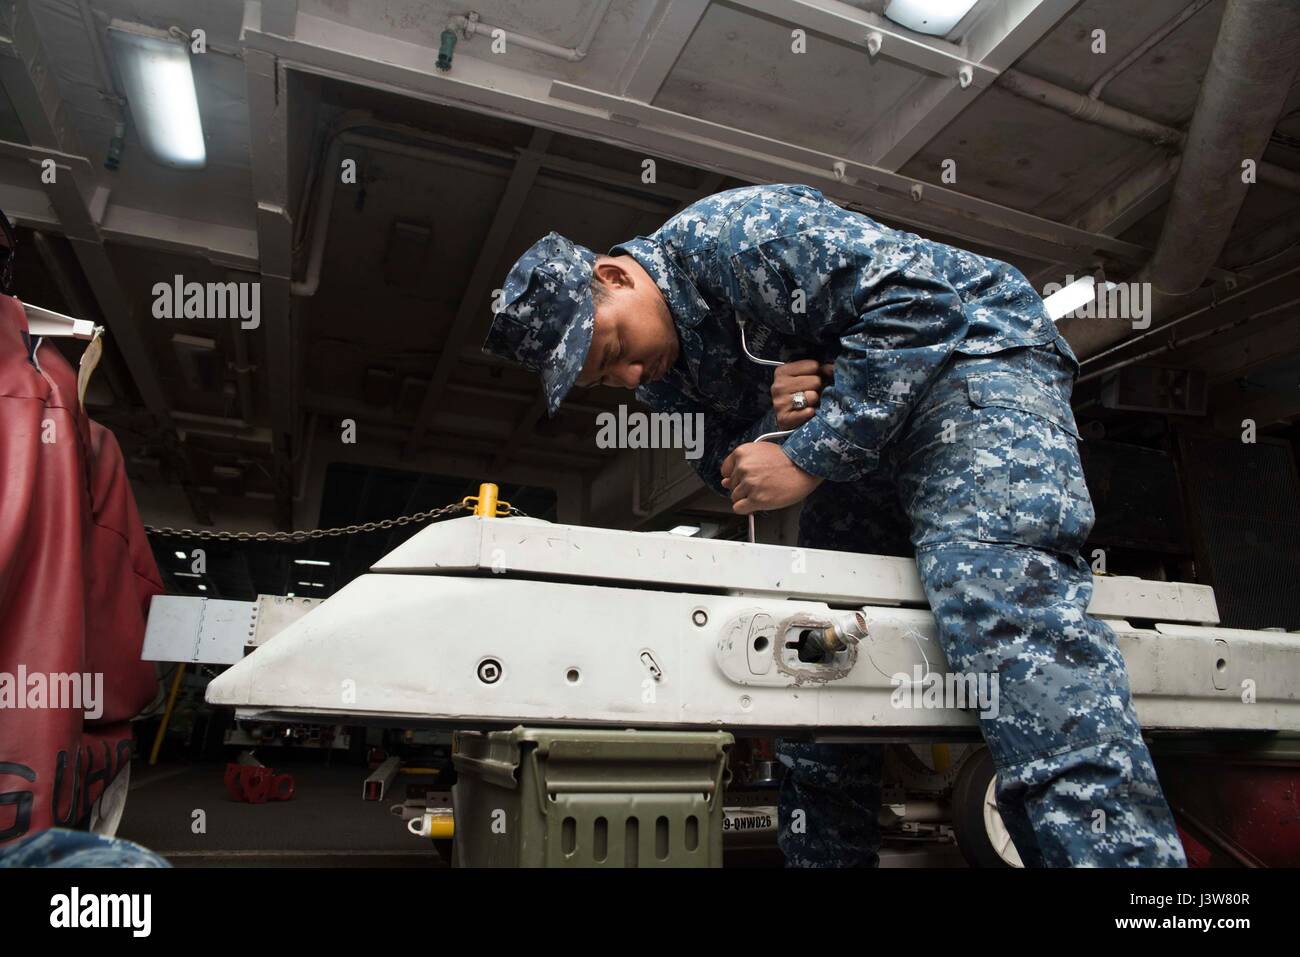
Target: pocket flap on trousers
point(1009, 391)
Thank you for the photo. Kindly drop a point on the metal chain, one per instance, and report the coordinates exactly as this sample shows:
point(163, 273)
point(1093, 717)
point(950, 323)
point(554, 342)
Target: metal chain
point(207, 534)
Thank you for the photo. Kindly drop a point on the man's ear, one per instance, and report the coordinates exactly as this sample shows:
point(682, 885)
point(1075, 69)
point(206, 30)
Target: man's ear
point(611, 272)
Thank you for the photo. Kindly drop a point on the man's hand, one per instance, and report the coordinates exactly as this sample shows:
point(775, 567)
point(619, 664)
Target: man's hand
point(761, 477)
point(804, 376)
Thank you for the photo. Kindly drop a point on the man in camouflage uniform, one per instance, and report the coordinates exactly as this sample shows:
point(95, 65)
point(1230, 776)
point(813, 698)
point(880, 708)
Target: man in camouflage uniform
point(947, 407)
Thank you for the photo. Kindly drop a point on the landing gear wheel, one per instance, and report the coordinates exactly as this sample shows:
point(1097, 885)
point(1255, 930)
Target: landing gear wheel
point(982, 838)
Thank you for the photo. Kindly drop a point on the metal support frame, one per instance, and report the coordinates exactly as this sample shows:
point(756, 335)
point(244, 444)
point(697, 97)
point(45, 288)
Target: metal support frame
point(279, 16)
point(889, 193)
point(213, 631)
point(66, 196)
point(268, 145)
point(955, 74)
point(849, 24)
point(30, 85)
point(228, 246)
point(378, 782)
point(1246, 309)
point(654, 55)
point(477, 291)
point(332, 49)
point(74, 199)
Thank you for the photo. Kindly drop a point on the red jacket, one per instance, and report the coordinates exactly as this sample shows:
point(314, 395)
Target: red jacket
point(76, 579)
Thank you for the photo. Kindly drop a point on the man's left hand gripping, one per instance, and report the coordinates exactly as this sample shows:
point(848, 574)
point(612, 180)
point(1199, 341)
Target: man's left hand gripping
point(761, 477)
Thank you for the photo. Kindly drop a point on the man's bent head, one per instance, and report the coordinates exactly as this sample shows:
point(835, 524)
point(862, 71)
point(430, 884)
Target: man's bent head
point(634, 341)
point(578, 318)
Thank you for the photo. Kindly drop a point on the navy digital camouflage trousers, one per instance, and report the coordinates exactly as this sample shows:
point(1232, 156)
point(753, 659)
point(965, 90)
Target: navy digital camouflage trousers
point(61, 847)
point(984, 483)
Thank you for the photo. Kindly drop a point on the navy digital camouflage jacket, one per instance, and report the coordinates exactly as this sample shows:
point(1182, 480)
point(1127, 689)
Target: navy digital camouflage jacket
point(810, 279)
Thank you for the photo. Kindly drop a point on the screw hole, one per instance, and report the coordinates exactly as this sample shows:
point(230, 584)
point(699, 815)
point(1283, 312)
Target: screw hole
point(489, 671)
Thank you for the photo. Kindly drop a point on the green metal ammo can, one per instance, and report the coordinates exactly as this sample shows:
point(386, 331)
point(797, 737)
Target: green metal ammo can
point(550, 797)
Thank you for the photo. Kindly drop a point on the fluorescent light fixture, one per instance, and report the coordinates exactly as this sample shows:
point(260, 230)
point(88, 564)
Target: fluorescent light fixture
point(686, 530)
point(203, 588)
point(935, 17)
point(181, 555)
point(186, 575)
point(1074, 296)
point(311, 584)
point(309, 561)
point(159, 86)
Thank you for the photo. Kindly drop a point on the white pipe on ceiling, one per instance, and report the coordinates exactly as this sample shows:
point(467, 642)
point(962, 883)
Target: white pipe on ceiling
point(470, 25)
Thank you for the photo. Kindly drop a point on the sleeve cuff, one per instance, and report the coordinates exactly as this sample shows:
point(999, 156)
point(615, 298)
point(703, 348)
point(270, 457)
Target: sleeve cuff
point(821, 451)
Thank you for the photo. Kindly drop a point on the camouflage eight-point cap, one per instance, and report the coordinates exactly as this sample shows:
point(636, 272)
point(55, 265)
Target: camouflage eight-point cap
point(547, 315)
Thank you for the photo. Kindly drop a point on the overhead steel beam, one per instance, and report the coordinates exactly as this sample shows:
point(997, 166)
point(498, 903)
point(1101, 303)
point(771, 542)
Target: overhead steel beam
point(1212, 312)
point(469, 316)
point(67, 197)
point(70, 172)
point(228, 246)
point(928, 107)
point(268, 152)
point(327, 48)
point(279, 16)
point(28, 206)
point(1254, 344)
point(69, 193)
point(852, 25)
point(31, 89)
point(1008, 28)
point(450, 149)
point(1116, 207)
point(655, 53)
point(1135, 195)
point(956, 74)
point(1089, 110)
point(939, 208)
point(1003, 34)
point(30, 84)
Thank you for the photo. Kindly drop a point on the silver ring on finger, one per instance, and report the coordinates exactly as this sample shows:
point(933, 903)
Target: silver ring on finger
point(799, 401)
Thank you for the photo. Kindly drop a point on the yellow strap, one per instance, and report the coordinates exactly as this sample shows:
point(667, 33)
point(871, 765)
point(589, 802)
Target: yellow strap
point(89, 360)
